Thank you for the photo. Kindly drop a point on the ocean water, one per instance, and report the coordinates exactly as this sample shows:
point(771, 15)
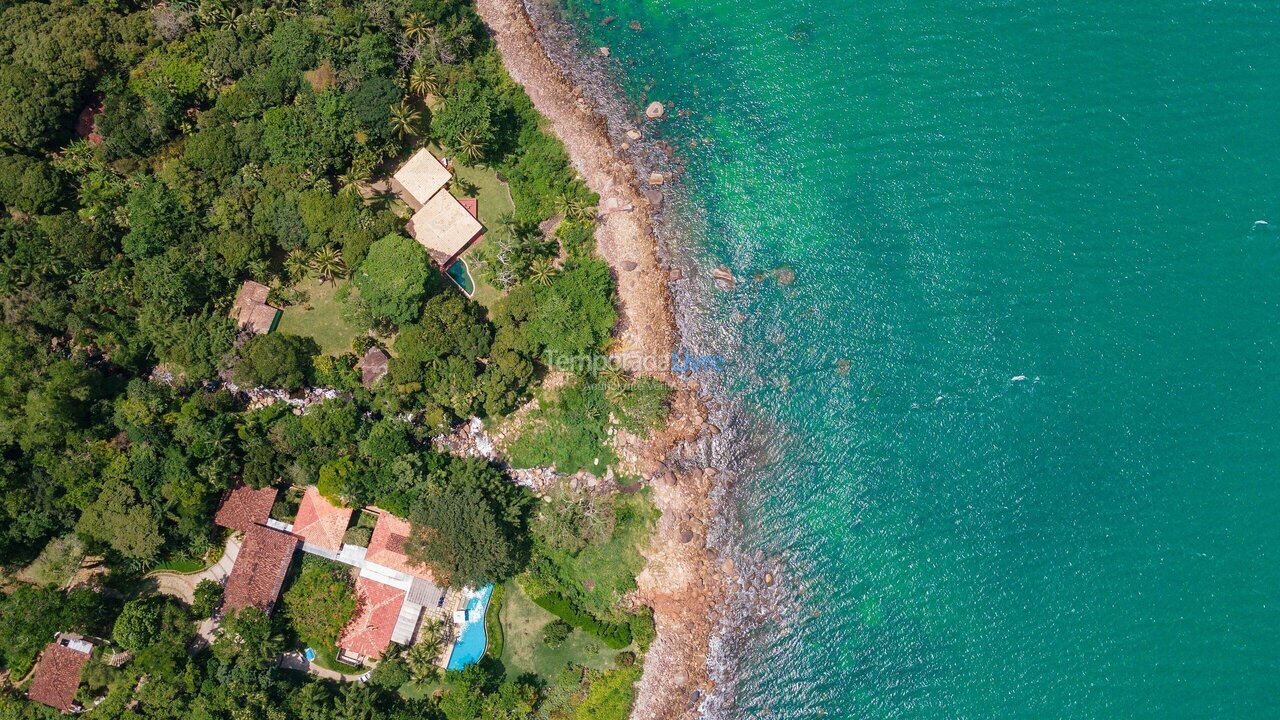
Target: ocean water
point(1016, 421)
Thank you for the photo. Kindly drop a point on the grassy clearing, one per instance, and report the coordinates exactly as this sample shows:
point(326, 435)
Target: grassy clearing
point(524, 650)
point(320, 318)
point(56, 564)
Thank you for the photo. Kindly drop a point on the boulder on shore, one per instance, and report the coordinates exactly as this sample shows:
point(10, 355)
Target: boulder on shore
point(655, 110)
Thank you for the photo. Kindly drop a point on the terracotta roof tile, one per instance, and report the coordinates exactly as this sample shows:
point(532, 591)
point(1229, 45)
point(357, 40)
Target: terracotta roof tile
point(260, 569)
point(243, 507)
point(369, 632)
point(386, 546)
point(320, 522)
point(57, 677)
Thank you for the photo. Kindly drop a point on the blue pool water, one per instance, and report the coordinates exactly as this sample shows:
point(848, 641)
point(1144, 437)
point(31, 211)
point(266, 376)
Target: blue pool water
point(460, 275)
point(469, 647)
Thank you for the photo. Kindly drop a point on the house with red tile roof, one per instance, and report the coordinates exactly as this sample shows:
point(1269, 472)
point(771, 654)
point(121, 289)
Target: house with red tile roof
point(260, 569)
point(387, 547)
point(57, 674)
point(243, 507)
point(369, 632)
point(320, 522)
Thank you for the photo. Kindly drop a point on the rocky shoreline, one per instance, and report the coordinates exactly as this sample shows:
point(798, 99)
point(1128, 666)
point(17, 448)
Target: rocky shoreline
point(682, 581)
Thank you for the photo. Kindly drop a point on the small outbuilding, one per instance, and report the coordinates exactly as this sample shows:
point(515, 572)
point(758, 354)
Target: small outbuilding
point(373, 366)
point(251, 311)
point(57, 673)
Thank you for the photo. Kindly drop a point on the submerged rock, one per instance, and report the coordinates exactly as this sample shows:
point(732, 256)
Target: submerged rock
point(724, 275)
point(635, 25)
point(786, 275)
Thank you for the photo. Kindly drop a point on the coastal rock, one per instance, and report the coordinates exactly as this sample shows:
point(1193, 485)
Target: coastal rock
point(768, 579)
point(604, 51)
point(613, 205)
point(677, 274)
point(727, 566)
point(655, 110)
point(656, 178)
point(629, 266)
point(713, 429)
point(724, 275)
point(634, 134)
point(654, 197)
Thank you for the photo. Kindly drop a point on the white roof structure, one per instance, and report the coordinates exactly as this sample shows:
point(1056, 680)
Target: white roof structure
point(444, 227)
point(420, 178)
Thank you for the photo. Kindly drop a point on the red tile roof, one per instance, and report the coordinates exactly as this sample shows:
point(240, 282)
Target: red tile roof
point(243, 507)
point(386, 546)
point(472, 206)
point(320, 522)
point(369, 632)
point(57, 677)
point(260, 569)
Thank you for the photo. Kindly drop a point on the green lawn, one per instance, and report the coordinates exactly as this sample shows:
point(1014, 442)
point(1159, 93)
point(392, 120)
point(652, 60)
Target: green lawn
point(525, 652)
point(320, 317)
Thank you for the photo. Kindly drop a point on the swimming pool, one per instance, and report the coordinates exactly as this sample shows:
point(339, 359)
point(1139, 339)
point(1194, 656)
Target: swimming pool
point(461, 274)
point(471, 642)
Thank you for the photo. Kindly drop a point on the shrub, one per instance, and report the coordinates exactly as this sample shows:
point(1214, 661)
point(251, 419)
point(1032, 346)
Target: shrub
point(616, 636)
point(624, 659)
point(208, 595)
point(556, 632)
point(277, 360)
point(642, 629)
point(358, 536)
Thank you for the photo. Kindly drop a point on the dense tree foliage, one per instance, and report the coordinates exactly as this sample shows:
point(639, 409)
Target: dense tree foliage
point(320, 601)
point(395, 278)
point(153, 157)
point(469, 525)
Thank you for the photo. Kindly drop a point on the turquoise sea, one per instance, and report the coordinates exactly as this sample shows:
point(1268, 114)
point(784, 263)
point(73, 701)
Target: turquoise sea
point(1018, 415)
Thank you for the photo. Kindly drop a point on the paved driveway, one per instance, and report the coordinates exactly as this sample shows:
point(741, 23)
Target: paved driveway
point(183, 585)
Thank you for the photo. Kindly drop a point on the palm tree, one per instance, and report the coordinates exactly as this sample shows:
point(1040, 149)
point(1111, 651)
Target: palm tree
point(542, 271)
point(574, 207)
point(421, 657)
point(297, 264)
point(327, 263)
point(423, 80)
point(352, 178)
point(404, 119)
point(416, 26)
point(469, 147)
